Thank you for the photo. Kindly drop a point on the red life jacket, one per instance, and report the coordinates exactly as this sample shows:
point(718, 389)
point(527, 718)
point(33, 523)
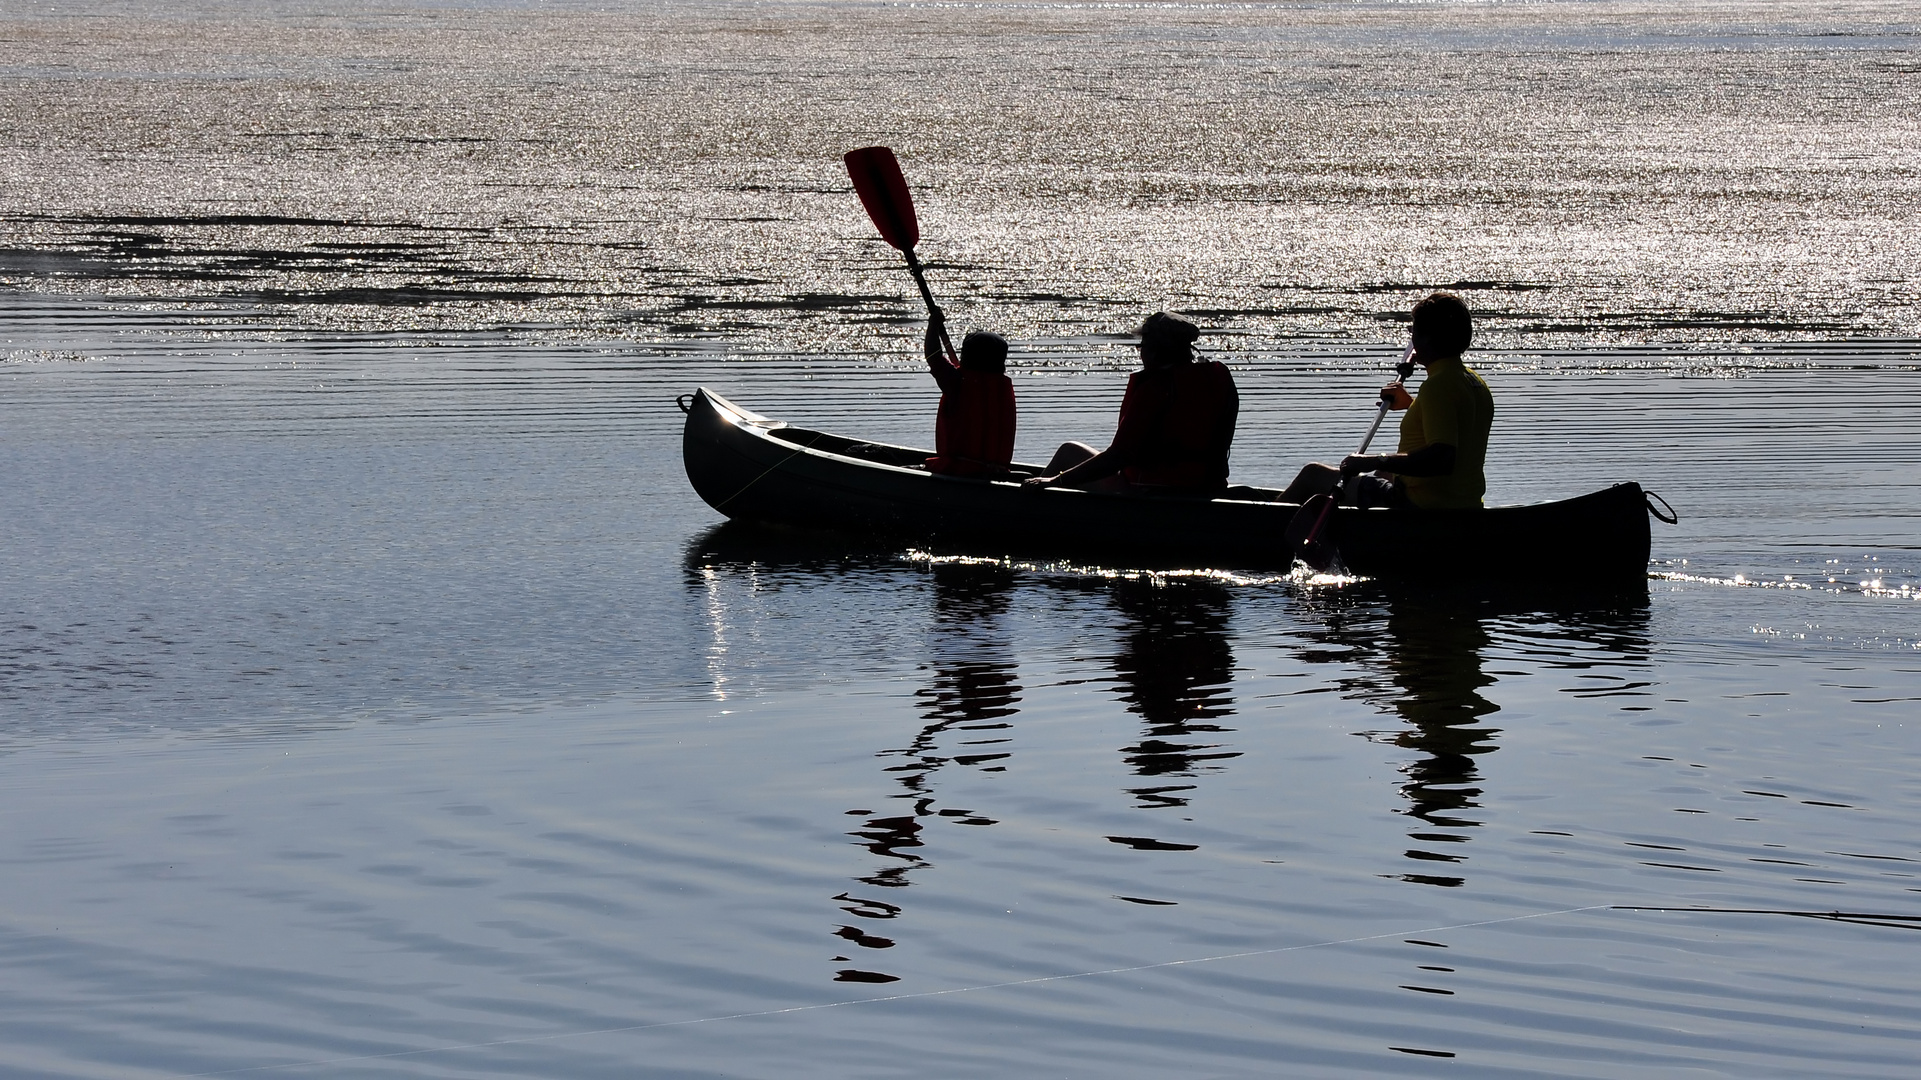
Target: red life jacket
point(1177, 425)
point(974, 430)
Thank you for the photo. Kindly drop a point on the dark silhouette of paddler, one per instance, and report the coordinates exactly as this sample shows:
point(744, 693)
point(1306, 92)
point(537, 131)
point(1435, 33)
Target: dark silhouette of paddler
point(974, 430)
point(1443, 448)
point(1176, 424)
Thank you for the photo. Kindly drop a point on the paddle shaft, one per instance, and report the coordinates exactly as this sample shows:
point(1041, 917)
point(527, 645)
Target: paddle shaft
point(1380, 414)
point(920, 279)
point(1346, 486)
point(1404, 369)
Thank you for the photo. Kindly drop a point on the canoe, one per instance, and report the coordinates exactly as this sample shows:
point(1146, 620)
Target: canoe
point(756, 469)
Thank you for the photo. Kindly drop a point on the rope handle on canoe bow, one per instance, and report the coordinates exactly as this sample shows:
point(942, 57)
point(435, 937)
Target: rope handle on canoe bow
point(1651, 498)
point(686, 402)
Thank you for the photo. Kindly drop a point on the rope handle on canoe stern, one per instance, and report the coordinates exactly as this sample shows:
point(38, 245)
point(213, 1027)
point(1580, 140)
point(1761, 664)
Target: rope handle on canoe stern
point(686, 403)
point(1651, 498)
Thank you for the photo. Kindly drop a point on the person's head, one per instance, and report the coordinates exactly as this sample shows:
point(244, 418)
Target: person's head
point(982, 350)
point(1167, 339)
point(1442, 326)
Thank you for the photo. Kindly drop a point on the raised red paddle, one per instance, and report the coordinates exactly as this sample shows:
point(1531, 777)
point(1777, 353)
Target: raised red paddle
point(883, 191)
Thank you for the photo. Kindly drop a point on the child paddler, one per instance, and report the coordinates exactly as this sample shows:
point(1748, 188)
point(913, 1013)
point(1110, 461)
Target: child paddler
point(974, 430)
point(1443, 449)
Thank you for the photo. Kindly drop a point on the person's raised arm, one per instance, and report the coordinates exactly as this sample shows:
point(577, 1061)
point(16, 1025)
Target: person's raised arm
point(938, 365)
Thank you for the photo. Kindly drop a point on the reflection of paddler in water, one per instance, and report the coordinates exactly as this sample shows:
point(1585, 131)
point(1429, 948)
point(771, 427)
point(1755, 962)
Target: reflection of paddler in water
point(1176, 671)
point(972, 690)
point(972, 662)
point(971, 693)
point(1434, 661)
point(1434, 657)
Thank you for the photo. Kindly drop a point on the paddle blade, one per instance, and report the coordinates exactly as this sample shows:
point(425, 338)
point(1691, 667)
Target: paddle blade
point(883, 191)
point(1307, 534)
point(1317, 555)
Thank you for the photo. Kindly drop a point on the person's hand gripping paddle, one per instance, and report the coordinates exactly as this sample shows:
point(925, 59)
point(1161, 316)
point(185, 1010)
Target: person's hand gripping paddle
point(883, 191)
point(1313, 547)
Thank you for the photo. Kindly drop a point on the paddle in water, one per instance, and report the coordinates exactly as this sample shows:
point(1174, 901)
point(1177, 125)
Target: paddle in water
point(1314, 548)
point(883, 191)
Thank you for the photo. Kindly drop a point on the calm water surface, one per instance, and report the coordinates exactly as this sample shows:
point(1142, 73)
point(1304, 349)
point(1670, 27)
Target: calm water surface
point(382, 707)
point(376, 699)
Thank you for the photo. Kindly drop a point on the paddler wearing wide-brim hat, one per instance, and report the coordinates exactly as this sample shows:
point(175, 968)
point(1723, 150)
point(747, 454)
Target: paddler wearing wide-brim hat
point(1176, 424)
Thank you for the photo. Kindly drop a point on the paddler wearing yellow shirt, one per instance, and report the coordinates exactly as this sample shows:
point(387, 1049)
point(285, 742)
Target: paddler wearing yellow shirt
point(1443, 448)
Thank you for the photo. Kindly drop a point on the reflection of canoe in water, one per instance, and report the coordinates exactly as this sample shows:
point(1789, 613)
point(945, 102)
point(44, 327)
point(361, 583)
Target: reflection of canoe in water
point(755, 469)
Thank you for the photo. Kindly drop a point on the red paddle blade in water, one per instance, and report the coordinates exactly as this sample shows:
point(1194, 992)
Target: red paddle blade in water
point(883, 191)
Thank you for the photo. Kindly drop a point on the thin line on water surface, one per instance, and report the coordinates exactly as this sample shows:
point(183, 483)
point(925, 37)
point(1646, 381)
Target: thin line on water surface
point(1863, 918)
point(891, 997)
point(743, 488)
